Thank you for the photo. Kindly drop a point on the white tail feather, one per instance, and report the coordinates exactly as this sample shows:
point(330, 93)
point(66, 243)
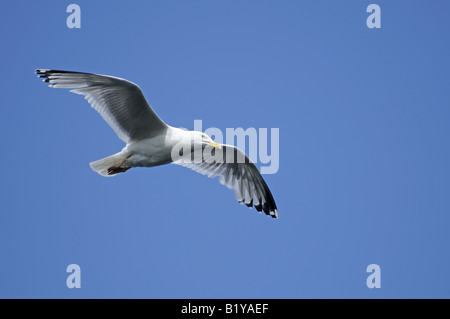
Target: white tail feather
point(103, 165)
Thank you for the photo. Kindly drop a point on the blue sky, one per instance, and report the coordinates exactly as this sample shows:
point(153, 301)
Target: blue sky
point(364, 150)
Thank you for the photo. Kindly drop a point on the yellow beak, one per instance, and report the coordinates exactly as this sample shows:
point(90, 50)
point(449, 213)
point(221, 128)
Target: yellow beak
point(215, 145)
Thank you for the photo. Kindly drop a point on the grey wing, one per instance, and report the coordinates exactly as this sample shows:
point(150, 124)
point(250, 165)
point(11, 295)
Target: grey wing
point(120, 102)
point(237, 172)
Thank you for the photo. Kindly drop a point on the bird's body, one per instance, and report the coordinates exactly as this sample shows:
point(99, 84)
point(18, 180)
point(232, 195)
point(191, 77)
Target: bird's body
point(149, 152)
point(151, 142)
point(152, 151)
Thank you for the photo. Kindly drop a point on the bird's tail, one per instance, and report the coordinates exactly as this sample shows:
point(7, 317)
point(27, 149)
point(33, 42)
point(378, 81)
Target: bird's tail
point(111, 165)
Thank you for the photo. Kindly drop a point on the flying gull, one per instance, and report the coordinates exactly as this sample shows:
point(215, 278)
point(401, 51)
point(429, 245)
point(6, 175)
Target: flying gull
point(151, 142)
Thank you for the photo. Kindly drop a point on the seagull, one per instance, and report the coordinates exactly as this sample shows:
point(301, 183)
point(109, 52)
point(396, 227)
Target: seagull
point(151, 142)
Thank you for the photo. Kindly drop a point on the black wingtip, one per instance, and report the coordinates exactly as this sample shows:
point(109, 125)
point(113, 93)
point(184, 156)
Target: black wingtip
point(49, 71)
point(43, 73)
point(274, 213)
point(265, 208)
